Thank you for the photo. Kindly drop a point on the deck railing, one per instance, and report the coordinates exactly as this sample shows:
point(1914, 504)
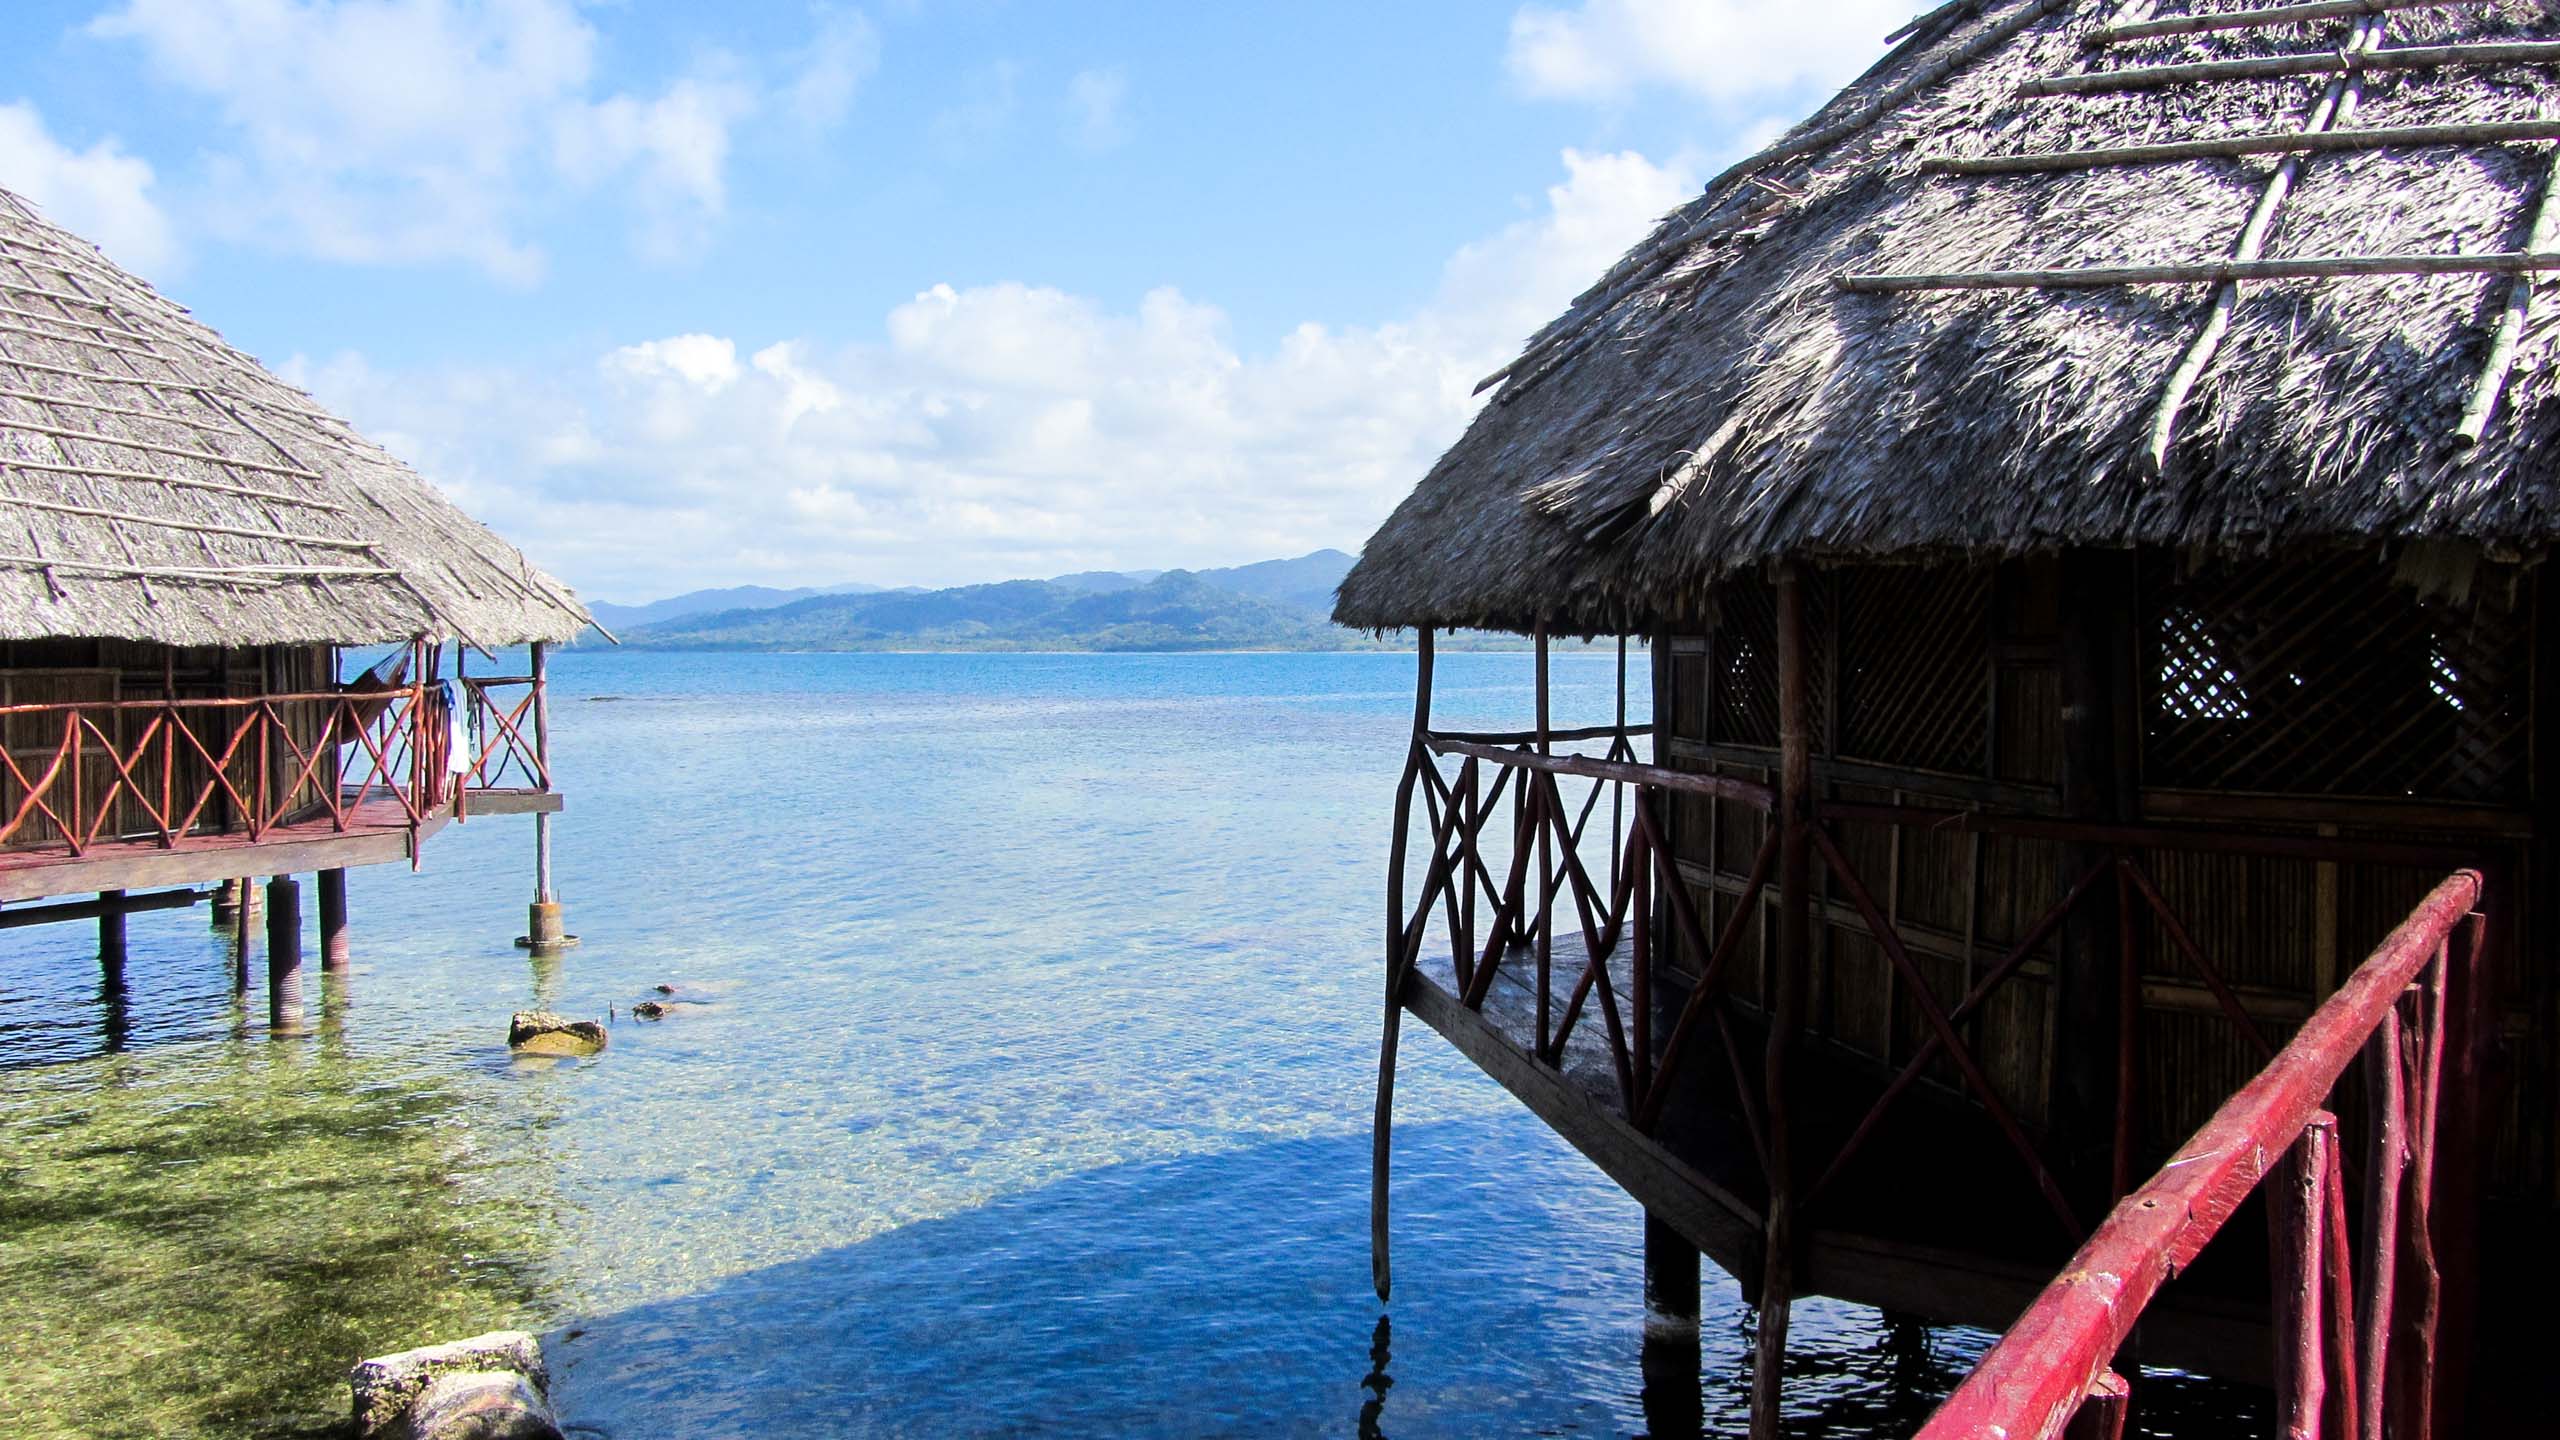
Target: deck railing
point(2349, 1361)
point(1513, 787)
point(76, 775)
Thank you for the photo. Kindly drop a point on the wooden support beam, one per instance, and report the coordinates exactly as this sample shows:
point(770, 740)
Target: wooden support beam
point(111, 914)
point(115, 901)
point(1790, 959)
point(1709, 1217)
point(1399, 965)
point(334, 948)
point(284, 955)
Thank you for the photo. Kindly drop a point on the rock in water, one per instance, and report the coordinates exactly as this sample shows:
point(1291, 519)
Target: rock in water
point(490, 1387)
point(649, 1010)
point(539, 1032)
point(481, 1405)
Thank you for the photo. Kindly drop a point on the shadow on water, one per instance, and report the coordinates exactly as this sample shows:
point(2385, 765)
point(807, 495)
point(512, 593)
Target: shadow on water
point(1220, 1294)
point(1228, 1294)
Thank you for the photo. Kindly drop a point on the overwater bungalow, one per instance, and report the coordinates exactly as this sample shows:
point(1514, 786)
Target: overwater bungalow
point(2083, 496)
point(192, 548)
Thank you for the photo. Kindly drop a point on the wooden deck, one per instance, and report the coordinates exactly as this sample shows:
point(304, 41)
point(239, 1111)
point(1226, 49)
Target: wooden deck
point(1973, 1246)
point(377, 833)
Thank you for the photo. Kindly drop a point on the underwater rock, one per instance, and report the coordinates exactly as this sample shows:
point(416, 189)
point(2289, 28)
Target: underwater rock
point(490, 1387)
point(539, 1032)
point(664, 988)
point(648, 1010)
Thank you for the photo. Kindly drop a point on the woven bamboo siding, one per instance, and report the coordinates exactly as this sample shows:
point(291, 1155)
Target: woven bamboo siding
point(1950, 693)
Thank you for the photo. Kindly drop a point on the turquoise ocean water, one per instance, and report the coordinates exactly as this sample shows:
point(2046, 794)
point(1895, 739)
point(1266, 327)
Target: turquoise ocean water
point(1028, 1089)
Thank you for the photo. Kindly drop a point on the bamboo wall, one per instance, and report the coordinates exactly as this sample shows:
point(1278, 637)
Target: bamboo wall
point(2321, 695)
point(54, 672)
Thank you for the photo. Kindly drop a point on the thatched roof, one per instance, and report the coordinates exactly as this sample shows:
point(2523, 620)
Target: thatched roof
point(156, 484)
point(1721, 398)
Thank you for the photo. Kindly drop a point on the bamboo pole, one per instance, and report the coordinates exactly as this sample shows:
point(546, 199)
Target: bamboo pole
point(2336, 106)
point(2481, 132)
point(2250, 19)
point(196, 527)
point(2272, 67)
point(1381, 1131)
point(2320, 267)
point(2511, 320)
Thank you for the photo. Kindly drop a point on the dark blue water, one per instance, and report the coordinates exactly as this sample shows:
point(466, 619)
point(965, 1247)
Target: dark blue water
point(1028, 1086)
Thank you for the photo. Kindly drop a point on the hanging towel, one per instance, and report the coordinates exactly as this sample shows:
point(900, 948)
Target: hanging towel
point(457, 732)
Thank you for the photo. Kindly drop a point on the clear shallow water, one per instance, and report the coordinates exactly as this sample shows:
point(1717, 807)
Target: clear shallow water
point(1029, 1090)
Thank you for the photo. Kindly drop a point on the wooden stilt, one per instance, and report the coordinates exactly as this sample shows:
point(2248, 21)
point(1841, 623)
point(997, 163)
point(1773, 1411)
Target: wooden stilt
point(334, 950)
point(226, 905)
point(1673, 1403)
point(1787, 974)
point(1670, 1273)
point(1381, 1134)
point(111, 931)
point(545, 931)
point(284, 954)
point(241, 931)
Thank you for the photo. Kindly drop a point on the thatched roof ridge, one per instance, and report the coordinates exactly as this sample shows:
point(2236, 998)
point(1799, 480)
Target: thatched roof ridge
point(158, 485)
point(1719, 399)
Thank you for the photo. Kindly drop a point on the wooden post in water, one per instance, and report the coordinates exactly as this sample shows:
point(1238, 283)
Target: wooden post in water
point(334, 948)
point(226, 904)
point(1381, 1125)
point(1786, 973)
point(111, 935)
point(284, 954)
point(545, 933)
point(243, 925)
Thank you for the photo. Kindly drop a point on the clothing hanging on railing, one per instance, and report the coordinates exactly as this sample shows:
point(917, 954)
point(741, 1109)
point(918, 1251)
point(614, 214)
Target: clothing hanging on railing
point(457, 728)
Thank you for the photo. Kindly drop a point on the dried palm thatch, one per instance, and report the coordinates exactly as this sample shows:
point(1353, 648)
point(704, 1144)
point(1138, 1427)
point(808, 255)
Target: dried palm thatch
point(1973, 308)
point(158, 485)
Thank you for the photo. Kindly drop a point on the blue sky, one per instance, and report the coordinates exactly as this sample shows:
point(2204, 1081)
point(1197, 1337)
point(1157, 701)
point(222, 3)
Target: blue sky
point(677, 295)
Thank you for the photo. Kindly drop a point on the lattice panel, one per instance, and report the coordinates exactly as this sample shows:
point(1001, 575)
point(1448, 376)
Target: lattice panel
point(2325, 677)
point(1911, 667)
point(1742, 660)
point(1742, 664)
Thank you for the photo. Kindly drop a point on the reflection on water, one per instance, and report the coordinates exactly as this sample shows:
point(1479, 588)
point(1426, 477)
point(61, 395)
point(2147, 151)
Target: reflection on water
point(1020, 1080)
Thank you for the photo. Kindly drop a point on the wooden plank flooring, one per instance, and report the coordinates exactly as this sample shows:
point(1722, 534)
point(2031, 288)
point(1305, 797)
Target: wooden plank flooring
point(377, 833)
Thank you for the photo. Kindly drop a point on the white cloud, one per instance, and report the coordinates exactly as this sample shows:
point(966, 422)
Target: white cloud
point(101, 193)
point(672, 152)
point(843, 52)
point(412, 131)
point(1727, 51)
point(993, 431)
point(1096, 100)
point(705, 362)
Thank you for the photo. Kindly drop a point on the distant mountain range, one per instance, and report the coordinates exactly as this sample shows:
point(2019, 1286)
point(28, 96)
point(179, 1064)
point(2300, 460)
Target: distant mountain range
point(1274, 605)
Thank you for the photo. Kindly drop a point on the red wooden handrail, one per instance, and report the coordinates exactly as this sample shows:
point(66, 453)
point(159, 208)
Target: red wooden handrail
point(2036, 1377)
point(398, 737)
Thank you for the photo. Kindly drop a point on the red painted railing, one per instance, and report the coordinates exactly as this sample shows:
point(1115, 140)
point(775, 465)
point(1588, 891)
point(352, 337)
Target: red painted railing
point(77, 775)
point(2349, 1361)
